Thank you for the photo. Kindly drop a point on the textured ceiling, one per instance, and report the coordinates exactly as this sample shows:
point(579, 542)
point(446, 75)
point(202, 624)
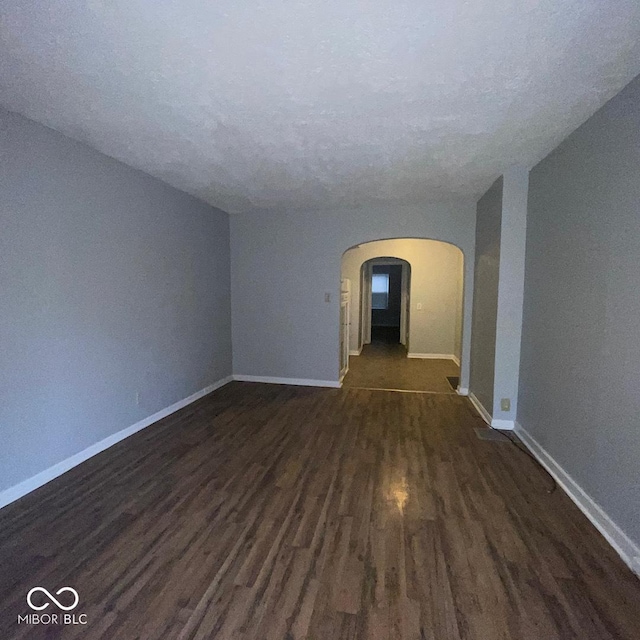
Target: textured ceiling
point(317, 103)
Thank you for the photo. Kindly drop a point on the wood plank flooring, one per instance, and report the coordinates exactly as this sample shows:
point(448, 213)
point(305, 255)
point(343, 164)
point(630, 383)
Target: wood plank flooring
point(386, 366)
point(271, 512)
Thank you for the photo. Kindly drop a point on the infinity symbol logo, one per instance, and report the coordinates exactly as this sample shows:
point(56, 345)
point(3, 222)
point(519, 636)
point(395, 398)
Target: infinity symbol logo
point(58, 592)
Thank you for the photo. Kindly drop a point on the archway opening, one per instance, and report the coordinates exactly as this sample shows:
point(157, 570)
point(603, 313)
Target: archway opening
point(384, 304)
point(401, 315)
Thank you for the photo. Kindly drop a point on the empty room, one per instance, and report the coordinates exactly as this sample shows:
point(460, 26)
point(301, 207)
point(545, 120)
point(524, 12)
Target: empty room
point(320, 320)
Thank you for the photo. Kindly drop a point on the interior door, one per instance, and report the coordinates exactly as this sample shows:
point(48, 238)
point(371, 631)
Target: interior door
point(404, 305)
point(345, 300)
point(366, 305)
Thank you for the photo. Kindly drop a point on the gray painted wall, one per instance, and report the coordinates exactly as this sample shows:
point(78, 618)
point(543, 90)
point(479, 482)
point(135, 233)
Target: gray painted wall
point(485, 295)
point(284, 262)
point(580, 358)
point(513, 233)
point(112, 282)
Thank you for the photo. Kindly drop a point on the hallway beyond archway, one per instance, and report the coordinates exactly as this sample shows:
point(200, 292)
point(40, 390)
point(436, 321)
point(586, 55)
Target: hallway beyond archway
point(405, 313)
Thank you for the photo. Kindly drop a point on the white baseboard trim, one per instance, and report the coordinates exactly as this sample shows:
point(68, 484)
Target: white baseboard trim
point(484, 414)
point(434, 356)
point(355, 352)
point(494, 423)
point(299, 382)
point(30, 484)
point(462, 391)
point(618, 539)
point(455, 359)
point(505, 425)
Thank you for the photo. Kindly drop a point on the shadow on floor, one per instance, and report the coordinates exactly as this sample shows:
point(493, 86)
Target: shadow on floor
point(386, 335)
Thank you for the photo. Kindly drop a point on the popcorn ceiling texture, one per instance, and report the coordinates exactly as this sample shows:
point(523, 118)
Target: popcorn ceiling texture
point(317, 103)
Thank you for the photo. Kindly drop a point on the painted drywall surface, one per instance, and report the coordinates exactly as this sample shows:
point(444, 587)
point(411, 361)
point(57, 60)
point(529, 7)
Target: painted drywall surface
point(436, 284)
point(324, 103)
point(580, 358)
point(513, 227)
point(284, 262)
point(485, 295)
point(112, 283)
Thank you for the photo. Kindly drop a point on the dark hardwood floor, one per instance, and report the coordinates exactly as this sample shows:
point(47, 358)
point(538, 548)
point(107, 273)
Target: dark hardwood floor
point(272, 512)
point(383, 365)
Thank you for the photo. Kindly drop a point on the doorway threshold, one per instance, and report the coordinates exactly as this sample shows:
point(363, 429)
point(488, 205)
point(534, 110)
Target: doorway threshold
point(437, 393)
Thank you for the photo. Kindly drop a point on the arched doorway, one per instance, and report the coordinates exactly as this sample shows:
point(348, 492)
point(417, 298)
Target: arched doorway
point(410, 339)
point(385, 293)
